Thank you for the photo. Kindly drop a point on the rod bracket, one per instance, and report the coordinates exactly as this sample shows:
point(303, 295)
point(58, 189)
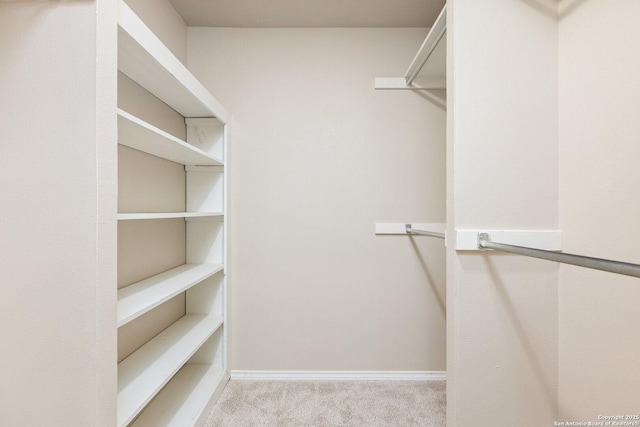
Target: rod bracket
point(482, 239)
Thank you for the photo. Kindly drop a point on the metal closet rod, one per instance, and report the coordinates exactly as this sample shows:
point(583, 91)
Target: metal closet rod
point(423, 232)
point(618, 267)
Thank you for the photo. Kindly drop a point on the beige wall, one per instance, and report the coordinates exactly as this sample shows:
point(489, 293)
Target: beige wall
point(165, 22)
point(502, 174)
point(57, 281)
point(599, 208)
point(317, 156)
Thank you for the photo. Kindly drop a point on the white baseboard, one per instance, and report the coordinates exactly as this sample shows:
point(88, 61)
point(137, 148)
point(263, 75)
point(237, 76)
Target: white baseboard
point(340, 375)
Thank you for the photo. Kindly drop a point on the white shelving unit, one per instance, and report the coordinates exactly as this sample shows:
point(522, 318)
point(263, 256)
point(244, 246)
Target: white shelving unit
point(175, 377)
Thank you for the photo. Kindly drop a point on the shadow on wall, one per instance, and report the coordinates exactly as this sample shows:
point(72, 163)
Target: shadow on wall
point(530, 351)
point(428, 276)
point(437, 97)
point(556, 9)
point(565, 7)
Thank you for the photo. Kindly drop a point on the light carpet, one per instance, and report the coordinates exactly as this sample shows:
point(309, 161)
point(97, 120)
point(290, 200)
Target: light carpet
point(245, 403)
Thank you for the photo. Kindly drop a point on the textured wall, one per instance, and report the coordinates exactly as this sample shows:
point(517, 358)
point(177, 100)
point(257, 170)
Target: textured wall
point(502, 151)
point(317, 156)
point(599, 207)
point(57, 278)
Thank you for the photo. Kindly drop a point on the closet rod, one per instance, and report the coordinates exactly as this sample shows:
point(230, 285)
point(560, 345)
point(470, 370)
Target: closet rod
point(423, 232)
point(618, 267)
point(428, 46)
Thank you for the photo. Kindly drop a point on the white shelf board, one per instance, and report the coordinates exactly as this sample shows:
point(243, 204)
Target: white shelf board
point(433, 74)
point(148, 369)
point(183, 400)
point(429, 65)
point(148, 62)
point(138, 298)
point(142, 136)
point(167, 215)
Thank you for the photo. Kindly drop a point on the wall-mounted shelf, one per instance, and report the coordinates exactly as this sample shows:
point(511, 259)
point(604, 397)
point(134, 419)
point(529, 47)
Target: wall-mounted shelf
point(181, 401)
point(147, 370)
point(167, 215)
point(148, 62)
point(428, 70)
point(136, 299)
point(140, 135)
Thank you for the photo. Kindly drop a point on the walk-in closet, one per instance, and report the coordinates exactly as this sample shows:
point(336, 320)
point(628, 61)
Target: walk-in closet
point(416, 213)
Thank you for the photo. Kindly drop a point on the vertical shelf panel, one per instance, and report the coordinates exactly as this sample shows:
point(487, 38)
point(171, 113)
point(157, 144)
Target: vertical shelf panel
point(205, 188)
point(206, 134)
point(205, 241)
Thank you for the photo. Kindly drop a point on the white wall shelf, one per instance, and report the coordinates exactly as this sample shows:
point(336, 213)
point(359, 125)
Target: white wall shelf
point(182, 400)
point(428, 70)
point(148, 62)
point(147, 370)
point(140, 135)
point(167, 215)
point(138, 298)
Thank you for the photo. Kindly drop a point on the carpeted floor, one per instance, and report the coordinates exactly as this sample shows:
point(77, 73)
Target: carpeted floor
point(246, 403)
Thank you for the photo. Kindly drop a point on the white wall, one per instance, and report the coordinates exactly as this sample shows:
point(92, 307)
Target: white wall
point(59, 171)
point(316, 158)
point(599, 208)
point(58, 232)
point(502, 174)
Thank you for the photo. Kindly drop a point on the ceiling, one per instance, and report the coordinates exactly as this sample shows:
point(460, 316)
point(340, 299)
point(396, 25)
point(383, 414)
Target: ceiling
point(308, 13)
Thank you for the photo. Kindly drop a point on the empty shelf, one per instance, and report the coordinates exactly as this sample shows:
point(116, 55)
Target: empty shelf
point(138, 298)
point(142, 136)
point(148, 62)
point(429, 67)
point(183, 400)
point(148, 369)
point(166, 215)
point(428, 70)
